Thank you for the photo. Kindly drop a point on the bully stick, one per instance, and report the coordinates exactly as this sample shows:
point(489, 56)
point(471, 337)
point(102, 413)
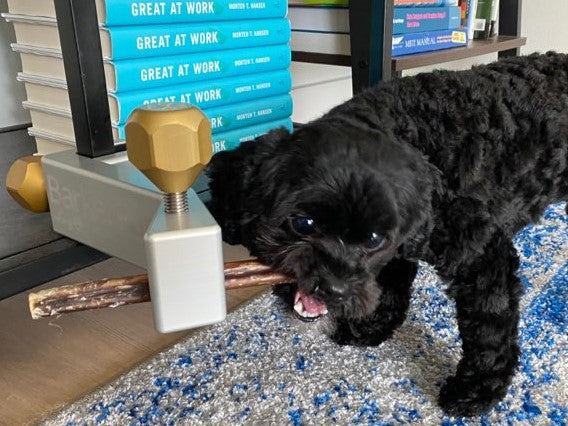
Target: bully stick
point(114, 292)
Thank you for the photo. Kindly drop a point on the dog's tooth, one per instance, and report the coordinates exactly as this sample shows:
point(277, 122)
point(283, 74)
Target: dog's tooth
point(324, 312)
point(299, 307)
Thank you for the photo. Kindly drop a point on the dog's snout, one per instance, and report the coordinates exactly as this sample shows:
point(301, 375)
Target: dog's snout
point(330, 289)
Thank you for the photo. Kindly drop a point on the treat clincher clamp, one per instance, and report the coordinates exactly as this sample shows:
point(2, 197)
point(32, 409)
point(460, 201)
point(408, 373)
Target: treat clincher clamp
point(137, 206)
point(98, 197)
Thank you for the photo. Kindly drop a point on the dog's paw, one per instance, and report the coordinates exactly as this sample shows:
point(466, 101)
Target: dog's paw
point(470, 396)
point(346, 335)
point(343, 336)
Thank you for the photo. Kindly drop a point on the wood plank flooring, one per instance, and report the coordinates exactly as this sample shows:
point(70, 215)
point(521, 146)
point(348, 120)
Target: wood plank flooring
point(48, 363)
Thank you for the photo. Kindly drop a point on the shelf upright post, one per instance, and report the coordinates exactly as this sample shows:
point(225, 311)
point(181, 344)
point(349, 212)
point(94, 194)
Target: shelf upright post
point(82, 58)
point(370, 28)
point(510, 23)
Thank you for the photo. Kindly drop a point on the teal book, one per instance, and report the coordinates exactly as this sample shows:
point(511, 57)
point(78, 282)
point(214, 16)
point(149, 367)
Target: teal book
point(174, 39)
point(243, 114)
point(146, 73)
point(231, 139)
point(130, 12)
point(204, 94)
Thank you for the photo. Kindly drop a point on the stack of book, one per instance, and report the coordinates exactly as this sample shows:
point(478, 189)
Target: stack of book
point(425, 25)
point(230, 58)
point(322, 26)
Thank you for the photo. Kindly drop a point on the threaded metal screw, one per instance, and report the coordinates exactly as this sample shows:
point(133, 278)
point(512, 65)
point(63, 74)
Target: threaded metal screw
point(176, 202)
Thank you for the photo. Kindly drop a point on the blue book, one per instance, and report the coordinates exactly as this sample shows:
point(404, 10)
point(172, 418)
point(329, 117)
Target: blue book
point(230, 140)
point(420, 19)
point(131, 12)
point(406, 44)
point(234, 116)
point(175, 39)
point(425, 3)
point(204, 94)
point(146, 73)
point(243, 114)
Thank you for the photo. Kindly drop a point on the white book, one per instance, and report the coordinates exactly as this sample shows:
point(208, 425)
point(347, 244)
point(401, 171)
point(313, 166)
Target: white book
point(55, 121)
point(319, 19)
point(45, 91)
point(46, 142)
point(42, 33)
point(329, 43)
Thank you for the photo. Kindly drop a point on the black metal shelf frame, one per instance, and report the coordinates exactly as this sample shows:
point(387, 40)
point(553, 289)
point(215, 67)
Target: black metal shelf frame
point(84, 70)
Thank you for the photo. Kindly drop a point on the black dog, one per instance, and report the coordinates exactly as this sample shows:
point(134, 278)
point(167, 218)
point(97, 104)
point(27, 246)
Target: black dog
point(443, 167)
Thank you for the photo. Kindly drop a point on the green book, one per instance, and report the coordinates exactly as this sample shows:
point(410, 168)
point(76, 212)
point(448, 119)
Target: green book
point(482, 22)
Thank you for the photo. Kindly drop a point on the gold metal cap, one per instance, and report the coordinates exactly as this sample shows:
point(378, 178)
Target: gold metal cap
point(170, 143)
point(25, 182)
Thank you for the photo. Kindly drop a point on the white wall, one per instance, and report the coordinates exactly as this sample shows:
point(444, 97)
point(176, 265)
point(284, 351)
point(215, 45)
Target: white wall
point(544, 25)
point(12, 92)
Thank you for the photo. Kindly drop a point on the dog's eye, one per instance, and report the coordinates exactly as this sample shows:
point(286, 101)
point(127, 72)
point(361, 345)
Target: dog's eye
point(375, 241)
point(303, 225)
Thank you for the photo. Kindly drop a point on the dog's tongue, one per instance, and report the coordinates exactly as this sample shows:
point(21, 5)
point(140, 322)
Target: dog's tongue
point(308, 306)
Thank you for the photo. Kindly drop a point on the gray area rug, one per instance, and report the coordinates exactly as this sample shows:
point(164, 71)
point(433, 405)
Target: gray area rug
point(263, 367)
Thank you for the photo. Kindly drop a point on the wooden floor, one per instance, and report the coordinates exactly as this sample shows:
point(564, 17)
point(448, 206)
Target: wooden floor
point(48, 363)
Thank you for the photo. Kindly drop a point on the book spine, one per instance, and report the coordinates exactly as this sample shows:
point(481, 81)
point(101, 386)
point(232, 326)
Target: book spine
point(208, 94)
point(244, 114)
point(494, 19)
point(470, 23)
point(161, 40)
point(141, 74)
point(130, 12)
point(232, 139)
point(422, 3)
point(413, 20)
point(405, 44)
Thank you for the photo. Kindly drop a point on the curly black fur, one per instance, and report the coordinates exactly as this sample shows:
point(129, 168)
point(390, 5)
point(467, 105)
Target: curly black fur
point(446, 167)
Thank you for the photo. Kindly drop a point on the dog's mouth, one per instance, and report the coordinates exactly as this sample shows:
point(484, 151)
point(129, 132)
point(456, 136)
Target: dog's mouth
point(307, 308)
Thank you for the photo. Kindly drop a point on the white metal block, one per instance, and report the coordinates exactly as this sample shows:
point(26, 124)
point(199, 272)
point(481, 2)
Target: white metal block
point(185, 268)
point(108, 204)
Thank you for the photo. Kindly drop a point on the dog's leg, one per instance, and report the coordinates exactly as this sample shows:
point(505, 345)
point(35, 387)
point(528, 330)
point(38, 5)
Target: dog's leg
point(487, 293)
point(395, 280)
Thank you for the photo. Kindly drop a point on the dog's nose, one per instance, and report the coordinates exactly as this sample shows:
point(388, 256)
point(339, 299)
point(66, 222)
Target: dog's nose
point(331, 290)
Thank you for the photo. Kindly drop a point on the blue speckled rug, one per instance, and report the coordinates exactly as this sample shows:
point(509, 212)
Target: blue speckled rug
point(261, 367)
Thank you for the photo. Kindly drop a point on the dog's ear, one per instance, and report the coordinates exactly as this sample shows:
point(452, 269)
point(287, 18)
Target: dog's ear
point(423, 188)
point(235, 177)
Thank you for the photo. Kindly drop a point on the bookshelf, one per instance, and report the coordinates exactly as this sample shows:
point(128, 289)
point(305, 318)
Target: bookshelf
point(370, 23)
point(370, 60)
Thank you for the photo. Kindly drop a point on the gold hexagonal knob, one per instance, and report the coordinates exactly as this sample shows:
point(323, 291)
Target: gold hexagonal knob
point(25, 182)
point(170, 143)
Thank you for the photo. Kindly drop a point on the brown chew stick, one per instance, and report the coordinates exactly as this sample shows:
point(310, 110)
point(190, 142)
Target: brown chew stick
point(115, 292)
